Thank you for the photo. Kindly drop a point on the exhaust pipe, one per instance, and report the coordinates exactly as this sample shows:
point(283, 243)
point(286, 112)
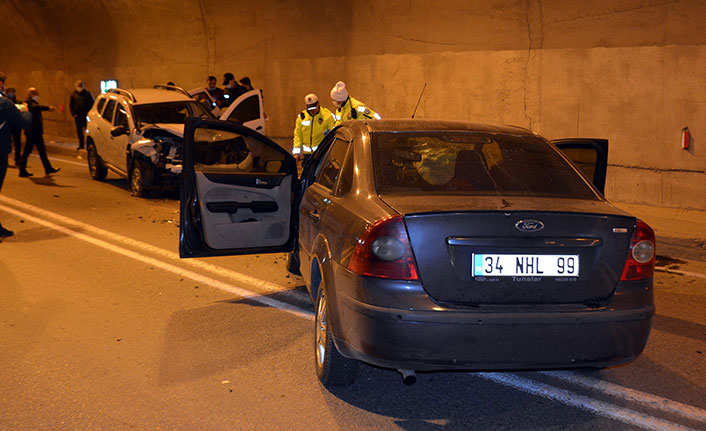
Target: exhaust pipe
point(408, 377)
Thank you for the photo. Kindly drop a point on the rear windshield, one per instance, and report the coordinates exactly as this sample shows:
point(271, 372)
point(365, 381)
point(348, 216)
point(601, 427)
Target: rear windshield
point(168, 112)
point(473, 164)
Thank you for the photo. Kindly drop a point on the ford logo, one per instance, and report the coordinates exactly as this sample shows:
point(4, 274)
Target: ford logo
point(529, 225)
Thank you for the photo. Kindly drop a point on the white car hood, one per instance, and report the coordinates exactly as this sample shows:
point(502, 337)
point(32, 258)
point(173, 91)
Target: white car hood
point(176, 129)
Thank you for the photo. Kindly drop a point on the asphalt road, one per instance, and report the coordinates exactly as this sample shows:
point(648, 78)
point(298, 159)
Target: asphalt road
point(103, 327)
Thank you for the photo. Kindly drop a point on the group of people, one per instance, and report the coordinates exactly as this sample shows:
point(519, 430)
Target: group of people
point(232, 88)
point(314, 123)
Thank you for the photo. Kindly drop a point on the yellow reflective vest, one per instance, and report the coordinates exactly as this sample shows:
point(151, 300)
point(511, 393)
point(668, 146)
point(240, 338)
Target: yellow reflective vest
point(310, 130)
point(354, 109)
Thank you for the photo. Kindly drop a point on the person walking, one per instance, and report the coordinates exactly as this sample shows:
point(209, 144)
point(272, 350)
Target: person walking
point(10, 117)
point(79, 105)
point(15, 132)
point(311, 126)
point(35, 134)
point(348, 107)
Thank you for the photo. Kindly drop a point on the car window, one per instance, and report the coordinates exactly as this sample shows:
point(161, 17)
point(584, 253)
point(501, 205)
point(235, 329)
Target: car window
point(101, 103)
point(329, 169)
point(169, 112)
point(204, 99)
point(345, 178)
point(223, 151)
point(473, 164)
point(109, 109)
point(120, 117)
point(247, 110)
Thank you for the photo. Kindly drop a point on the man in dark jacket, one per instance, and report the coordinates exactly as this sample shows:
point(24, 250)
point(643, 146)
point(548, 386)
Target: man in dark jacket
point(35, 134)
point(81, 102)
point(16, 132)
point(232, 90)
point(10, 117)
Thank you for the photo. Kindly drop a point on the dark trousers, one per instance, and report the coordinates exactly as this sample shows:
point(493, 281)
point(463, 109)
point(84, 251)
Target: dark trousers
point(3, 168)
point(17, 141)
point(80, 121)
point(31, 141)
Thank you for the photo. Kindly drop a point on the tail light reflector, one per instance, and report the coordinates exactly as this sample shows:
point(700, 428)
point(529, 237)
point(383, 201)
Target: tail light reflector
point(640, 263)
point(384, 251)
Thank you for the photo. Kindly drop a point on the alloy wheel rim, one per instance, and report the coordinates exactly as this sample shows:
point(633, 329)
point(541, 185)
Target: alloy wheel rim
point(136, 180)
point(321, 331)
point(92, 160)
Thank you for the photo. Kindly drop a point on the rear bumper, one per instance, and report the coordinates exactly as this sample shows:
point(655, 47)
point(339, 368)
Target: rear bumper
point(527, 338)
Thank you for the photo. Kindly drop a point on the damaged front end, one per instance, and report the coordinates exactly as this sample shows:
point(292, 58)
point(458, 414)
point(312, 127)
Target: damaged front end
point(161, 145)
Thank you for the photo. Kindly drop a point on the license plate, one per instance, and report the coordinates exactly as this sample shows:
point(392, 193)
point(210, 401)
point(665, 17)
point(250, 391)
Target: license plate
point(513, 265)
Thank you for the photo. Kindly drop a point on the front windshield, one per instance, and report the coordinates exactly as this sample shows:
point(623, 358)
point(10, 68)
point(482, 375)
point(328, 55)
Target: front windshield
point(168, 112)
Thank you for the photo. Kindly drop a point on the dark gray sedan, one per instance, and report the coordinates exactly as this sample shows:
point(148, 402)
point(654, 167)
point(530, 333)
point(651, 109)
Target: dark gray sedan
point(430, 245)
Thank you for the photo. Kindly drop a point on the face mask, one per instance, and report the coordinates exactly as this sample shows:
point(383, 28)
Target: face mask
point(10, 95)
point(211, 87)
point(35, 98)
point(336, 103)
point(229, 85)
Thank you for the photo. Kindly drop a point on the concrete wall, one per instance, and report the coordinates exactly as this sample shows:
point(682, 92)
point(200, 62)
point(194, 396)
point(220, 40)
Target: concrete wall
point(630, 71)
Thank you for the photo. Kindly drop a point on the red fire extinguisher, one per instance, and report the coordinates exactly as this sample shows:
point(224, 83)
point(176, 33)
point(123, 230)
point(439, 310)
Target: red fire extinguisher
point(685, 138)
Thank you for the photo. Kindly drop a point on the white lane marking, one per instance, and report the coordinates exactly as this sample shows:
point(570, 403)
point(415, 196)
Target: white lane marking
point(680, 272)
point(299, 312)
point(632, 395)
point(591, 405)
point(214, 269)
point(59, 159)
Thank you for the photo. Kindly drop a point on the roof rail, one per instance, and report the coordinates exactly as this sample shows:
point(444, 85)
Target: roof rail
point(172, 88)
point(122, 92)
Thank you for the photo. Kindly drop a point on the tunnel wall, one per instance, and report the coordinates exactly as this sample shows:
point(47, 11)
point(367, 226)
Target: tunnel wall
point(630, 71)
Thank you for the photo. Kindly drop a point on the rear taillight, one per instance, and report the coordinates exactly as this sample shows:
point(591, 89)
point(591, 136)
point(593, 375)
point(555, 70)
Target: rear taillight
point(640, 263)
point(383, 251)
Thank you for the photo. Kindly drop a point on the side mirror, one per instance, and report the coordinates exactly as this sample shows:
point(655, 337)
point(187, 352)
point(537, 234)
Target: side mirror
point(273, 166)
point(118, 130)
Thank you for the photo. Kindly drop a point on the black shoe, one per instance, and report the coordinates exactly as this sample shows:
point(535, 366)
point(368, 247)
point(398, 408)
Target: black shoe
point(24, 173)
point(80, 147)
point(4, 233)
point(53, 171)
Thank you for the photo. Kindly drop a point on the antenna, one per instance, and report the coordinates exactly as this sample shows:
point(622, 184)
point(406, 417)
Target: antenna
point(420, 99)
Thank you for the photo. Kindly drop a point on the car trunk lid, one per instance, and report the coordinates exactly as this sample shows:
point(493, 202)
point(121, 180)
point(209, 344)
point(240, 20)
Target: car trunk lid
point(543, 251)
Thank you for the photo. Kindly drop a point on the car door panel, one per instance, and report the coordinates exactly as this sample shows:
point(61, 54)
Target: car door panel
point(229, 211)
point(589, 155)
point(231, 202)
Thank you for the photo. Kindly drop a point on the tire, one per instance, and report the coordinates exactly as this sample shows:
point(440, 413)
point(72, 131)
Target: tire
point(96, 167)
point(332, 368)
point(140, 178)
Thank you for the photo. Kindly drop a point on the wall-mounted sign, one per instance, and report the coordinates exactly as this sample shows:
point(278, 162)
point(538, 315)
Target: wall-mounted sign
point(108, 84)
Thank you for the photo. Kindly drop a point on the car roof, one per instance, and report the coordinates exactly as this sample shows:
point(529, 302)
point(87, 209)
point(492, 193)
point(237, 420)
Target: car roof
point(416, 125)
point(156, 95)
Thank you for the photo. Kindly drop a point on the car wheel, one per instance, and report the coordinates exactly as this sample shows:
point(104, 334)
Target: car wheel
point(332, 368)
point(96, 168)
point(140, 178)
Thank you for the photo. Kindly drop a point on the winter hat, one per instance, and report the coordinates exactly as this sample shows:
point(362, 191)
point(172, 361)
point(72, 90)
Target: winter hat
point(310, 99)
point(339, 92)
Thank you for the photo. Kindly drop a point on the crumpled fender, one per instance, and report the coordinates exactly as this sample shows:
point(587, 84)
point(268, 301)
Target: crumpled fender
point(147, 148)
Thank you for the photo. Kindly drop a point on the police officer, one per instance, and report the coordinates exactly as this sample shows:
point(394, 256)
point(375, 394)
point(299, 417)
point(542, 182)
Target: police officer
point(348, 107)
point(312, 125)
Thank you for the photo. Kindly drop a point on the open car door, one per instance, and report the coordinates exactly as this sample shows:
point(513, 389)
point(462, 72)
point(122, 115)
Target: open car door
point(247, 110)
point(237, 191)
point(589, 155)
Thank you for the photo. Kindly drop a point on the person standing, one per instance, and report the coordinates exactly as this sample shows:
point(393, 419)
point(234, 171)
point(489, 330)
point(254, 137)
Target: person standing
point(312, 125)
point(215, 92)
point(348, 107)
point(16, 132)
point(246, 83)
point(35, 134)
point(81, 102)
point(10, 117)
point(232, 90)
